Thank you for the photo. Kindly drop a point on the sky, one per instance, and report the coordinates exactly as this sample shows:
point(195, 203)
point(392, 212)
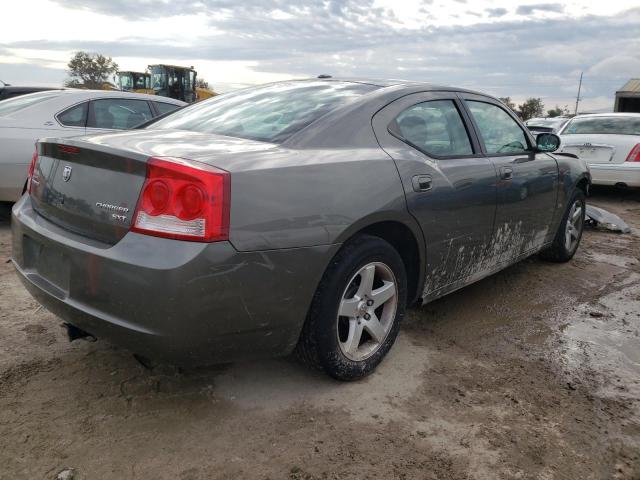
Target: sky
point(509, 48)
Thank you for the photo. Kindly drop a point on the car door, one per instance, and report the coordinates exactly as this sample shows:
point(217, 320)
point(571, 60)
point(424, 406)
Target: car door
point(450, 186)
point(527, 181)
point(108, 114)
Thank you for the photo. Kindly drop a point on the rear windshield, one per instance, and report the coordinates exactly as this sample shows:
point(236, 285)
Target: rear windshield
point(603, 125)
point(12, 105)
point(270, 113)
point(545, 122)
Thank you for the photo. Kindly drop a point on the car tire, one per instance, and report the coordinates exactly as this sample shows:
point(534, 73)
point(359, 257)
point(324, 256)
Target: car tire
point(569, 232)
point(366, 281)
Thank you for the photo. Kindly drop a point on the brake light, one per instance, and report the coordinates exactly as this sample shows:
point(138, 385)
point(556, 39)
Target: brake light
point(634, 154)
point(32, 169)
point(68, 149)
point(184, 200)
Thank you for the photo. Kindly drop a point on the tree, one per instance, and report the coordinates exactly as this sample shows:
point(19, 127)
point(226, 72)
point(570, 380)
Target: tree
point(532, 107)
point(90, 70)
point(507, 101)
point(558, 111)
point(202, 83)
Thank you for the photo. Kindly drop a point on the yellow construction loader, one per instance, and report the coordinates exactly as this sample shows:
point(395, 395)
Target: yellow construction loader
point(137, 82)
point(177, 82)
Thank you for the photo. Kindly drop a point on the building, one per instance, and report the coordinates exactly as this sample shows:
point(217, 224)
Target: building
point(628, 97)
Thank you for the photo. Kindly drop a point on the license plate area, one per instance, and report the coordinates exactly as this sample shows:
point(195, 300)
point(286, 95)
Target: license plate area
point(47, 262)
point(591, 153)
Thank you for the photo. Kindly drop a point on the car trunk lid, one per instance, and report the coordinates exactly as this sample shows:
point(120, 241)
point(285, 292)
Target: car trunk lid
point(87, 191)
point(107, 173)
point(600, 149)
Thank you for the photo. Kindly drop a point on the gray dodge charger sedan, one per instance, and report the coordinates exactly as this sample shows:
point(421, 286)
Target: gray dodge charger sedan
point(297, 216)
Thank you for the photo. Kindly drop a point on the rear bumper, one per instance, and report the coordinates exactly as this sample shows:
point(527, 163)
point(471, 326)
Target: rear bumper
point(184, 302)
point(612, 174)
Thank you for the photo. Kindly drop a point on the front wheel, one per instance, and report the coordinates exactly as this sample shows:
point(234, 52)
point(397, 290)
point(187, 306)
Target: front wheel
point(569, 233)
point(355, 315)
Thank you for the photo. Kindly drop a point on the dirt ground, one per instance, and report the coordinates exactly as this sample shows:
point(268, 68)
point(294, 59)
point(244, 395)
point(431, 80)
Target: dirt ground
point(533, 373)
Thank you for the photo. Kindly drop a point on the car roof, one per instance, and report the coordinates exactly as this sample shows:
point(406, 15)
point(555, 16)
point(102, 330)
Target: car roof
point(81, 94)
point(611, 114)
point(413, 85)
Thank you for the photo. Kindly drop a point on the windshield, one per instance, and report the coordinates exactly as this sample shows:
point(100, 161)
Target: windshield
point(158, 78)
point(603, 125)
point(270, 113)
point(18, 103)
point(126, 82)
point(140, 81)
point(545, 122)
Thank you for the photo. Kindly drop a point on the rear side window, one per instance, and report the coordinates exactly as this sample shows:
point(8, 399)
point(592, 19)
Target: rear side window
point(118, 113)
point(499, 131)
point(15, 104)
point(435, 127)
point(603, 125)
point(269, 113)
point(165, 107)
point(75, 116)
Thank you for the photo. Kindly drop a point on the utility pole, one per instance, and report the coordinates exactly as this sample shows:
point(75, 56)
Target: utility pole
point(578, 97)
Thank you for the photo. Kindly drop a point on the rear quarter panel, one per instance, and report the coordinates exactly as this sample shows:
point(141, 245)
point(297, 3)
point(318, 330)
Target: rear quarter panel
point(303, 197)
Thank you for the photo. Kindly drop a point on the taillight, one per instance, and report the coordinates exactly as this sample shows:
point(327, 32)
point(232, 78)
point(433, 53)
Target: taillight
point(634, 154)
point(32, 169)
point(184, 200)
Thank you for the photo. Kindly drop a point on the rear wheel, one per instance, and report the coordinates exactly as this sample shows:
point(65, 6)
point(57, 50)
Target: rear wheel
point(356, 312)
point(569, 233)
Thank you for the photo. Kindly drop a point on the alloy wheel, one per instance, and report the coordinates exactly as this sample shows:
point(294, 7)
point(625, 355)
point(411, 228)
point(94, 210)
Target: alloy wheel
point(574, 226)
point(367, 311)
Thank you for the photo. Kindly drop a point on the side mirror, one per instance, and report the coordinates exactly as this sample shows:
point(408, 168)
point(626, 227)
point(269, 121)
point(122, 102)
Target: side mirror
point(547, 142)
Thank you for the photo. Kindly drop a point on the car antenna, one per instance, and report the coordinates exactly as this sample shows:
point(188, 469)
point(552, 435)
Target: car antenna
point(324, 75)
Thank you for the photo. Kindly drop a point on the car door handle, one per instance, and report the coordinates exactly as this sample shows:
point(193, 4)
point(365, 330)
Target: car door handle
point(506, 173)
point(421, 183)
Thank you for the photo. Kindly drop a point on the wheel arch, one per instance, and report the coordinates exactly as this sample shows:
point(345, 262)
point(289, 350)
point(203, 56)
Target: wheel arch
point(583, 183)
point(405, 235)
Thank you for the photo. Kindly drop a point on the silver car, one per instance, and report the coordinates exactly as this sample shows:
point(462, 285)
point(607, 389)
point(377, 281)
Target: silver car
point(300, 216)
point(64, 113)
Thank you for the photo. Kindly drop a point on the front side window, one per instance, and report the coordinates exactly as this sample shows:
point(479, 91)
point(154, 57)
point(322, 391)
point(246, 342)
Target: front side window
point(603, 125)
point(434, 127)
point(270, 113)
point(499, 131)
point(75, 116)
point(119, 113)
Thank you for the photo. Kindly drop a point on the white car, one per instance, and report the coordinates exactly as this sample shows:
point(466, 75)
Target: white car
point(609, 143)
point(64, 113)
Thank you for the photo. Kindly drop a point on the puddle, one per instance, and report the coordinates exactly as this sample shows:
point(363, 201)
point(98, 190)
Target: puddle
point(605, 339)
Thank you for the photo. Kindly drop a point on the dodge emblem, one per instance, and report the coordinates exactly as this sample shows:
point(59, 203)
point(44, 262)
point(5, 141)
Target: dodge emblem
point(66, 173)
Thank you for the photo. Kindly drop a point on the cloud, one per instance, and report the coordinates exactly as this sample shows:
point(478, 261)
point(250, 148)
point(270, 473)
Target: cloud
point(507, 57)
point(496, 12)
point(32, 75)
point(618, 66)
point(540, 7)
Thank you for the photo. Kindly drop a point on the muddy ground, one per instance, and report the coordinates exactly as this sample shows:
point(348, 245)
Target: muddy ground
point(533, 373)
